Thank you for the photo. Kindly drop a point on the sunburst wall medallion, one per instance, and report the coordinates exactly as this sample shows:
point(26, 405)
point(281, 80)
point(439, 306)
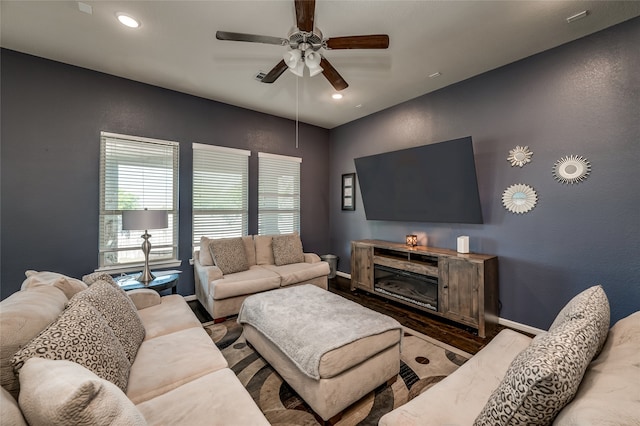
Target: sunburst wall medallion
point(519, 198)
point(571, 169)
point(519, 156)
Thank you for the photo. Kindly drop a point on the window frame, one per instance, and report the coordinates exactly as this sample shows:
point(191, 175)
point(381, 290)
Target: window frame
point(267, 165)
point(173, 210)
point(230, 154)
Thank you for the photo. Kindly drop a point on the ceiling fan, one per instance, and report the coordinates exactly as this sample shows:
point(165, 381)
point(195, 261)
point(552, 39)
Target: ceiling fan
point(305, 41)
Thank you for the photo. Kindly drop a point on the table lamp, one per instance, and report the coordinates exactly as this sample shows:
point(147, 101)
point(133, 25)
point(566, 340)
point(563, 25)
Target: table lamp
point(137, 220)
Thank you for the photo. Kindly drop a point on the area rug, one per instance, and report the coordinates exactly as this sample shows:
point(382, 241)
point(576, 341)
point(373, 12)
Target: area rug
point(424, 362)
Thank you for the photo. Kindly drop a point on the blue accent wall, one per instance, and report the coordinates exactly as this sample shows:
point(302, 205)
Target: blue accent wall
point(52, 115)
point(582, 98)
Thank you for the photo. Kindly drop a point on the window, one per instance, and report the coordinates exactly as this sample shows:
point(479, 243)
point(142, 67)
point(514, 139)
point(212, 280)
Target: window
point(136, 173)
point(278, 194)
point(220, 192)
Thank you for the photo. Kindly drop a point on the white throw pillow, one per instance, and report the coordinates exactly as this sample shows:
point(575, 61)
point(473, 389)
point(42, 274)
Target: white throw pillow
point(65, 393)
point(69, 286)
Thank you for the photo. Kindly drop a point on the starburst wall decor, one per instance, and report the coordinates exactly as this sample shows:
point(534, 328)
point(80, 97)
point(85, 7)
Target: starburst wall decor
point(571, 169)
point(519, 198)
point(519, 156)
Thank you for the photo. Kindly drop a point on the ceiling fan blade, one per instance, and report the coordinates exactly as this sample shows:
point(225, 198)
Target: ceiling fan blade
point(275, 72)
point(305, 10)
point(332, 75)
point(374, 41)
point(252, 38)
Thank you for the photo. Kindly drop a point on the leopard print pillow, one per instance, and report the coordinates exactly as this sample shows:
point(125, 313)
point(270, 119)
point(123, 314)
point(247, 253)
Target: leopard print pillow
point(591, 304)
point(98, 276)
point(119, 312)
point(543, 378)
point(229, 255)
point(287, 249)
point(81, 335)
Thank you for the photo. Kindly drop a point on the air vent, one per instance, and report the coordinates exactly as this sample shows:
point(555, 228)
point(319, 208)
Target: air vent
point(260, 75)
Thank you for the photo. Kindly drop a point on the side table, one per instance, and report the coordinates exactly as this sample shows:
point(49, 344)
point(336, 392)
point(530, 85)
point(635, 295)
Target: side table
point(162, 282)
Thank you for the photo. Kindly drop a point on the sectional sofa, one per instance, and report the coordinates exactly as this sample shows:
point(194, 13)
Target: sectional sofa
point(579, 373)
point(138, 359)
point(228, 270)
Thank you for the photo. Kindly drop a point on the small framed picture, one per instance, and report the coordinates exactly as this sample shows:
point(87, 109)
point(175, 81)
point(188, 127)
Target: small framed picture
point(349, 191)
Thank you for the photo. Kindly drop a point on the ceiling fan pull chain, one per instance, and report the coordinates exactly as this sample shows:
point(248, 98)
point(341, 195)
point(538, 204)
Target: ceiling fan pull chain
point(297, 97)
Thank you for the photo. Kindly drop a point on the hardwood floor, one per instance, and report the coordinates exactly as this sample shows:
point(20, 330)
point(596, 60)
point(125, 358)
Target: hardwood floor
point(433, 326)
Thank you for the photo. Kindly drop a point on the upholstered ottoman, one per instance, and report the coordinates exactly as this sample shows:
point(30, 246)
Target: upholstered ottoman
point(330, 350)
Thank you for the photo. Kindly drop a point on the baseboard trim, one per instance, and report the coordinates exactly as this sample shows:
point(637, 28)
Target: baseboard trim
point(190, 297)
point(502, 321)
point(343, 275)
point(520, 327)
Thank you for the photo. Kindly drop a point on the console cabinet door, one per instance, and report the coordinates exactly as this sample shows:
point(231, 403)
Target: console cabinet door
point(361, 267)
point(459, 290)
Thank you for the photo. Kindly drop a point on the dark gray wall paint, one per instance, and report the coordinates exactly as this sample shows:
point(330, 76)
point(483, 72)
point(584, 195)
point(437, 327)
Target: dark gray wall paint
point(52, 115)
point(581, 98)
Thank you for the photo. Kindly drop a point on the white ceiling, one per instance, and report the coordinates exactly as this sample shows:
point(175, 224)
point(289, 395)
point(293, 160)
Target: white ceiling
point(176, 46)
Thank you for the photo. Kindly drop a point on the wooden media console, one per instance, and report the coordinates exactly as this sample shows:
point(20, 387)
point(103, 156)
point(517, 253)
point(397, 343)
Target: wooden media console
point(460, 287)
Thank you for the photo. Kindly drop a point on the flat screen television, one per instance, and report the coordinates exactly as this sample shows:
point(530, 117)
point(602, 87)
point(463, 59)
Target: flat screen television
point(428, 183)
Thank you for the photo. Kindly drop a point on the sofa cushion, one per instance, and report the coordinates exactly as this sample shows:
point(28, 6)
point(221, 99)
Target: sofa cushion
point(169, 361)
point(69, 286)
point(65, 393)
point(217, 398)
point(23, 315)
point(591, 304)
point(264, 251)
point(82, 335)
point(609, 394)
point(229, 254)
point(204, 255)
point(296, 273)
point(11, 413)
point(170, 315)
point(543, 378)
point(287, 249)
point(255, 280)
point(119, 311)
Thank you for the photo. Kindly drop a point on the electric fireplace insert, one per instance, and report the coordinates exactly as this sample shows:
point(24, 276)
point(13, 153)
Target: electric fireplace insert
point(417, 289)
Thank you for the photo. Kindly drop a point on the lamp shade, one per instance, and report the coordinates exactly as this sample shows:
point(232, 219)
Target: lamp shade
point(136, 220)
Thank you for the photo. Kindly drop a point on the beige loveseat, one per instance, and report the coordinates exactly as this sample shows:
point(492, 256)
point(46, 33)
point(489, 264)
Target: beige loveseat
point(579, 373)
point(227, 270)
point(138, 359)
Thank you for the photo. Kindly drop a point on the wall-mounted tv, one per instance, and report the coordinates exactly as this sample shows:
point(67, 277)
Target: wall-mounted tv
point(428, 183)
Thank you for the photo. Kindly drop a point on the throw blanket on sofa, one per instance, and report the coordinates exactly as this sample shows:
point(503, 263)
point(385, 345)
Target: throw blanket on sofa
point(306, 322)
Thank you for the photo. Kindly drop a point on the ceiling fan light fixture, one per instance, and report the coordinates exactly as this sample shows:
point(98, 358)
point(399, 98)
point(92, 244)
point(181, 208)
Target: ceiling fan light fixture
point(298, 70)
point(312, 59)
point(292, 57)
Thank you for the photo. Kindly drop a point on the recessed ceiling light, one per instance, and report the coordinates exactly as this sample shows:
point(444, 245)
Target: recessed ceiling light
point(435, 74)
point(128, 20)
point(337, 96)
point(359, 106)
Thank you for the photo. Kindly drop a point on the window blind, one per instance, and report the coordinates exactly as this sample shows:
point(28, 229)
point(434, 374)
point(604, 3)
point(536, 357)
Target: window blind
point(136, 173)
point(278, 194)
point(220, 192)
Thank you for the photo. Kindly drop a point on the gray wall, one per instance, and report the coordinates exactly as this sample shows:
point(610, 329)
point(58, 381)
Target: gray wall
point(581, 98)
point(52, 115)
